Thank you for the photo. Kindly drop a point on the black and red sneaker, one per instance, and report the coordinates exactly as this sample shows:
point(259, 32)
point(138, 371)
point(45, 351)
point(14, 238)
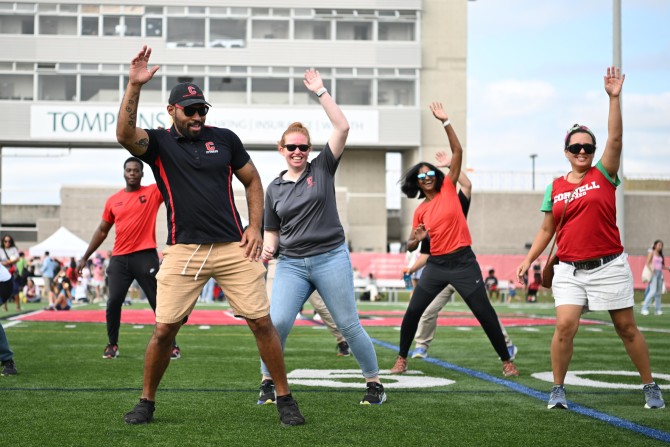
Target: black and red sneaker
point(111, 351)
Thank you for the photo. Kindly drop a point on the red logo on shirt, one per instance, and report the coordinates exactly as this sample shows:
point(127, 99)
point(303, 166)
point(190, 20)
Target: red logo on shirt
point(211, 149)
point(143, 199)
point(310, 181)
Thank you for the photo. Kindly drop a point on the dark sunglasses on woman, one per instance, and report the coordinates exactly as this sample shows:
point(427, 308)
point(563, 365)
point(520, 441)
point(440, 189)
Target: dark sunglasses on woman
point(293, 147)
point(577, 148)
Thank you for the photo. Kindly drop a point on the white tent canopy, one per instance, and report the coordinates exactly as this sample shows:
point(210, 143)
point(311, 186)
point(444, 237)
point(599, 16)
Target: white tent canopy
point(62, 244)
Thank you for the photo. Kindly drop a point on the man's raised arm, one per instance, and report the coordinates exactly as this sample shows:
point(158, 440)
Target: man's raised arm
point(128, 134)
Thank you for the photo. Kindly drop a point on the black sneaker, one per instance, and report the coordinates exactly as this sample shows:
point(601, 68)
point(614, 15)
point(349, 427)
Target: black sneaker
point(289, 413)
point(143, 413)
point(176, 353)
point(9, 368)
point(267, 393)
point(374, 394)
point(111, 351)
point(343, 349)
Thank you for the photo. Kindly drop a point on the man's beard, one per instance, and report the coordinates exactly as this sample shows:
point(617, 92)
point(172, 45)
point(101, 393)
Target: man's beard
point(186, 133)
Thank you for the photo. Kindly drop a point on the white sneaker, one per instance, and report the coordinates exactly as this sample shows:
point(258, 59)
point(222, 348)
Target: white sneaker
point(660, 312)
point(644, 312)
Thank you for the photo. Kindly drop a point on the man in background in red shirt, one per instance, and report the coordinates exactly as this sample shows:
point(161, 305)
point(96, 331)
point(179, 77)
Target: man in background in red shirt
point(134, 256)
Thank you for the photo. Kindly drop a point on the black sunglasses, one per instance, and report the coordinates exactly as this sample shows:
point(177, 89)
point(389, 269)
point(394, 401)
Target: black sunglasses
point(577, 148)
point(293, 147)
point(190, 110)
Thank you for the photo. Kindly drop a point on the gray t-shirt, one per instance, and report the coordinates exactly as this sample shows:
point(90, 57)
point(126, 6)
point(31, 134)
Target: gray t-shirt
point(305, 212)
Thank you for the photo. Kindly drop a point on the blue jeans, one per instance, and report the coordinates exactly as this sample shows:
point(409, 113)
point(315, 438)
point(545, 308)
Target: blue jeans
point(5, 352)
point(654, 290)
point(207, 294)
point(332, 276)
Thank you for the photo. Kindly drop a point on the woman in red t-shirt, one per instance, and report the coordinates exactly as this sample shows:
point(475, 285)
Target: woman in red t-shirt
point(593, 272)
point(451, 259)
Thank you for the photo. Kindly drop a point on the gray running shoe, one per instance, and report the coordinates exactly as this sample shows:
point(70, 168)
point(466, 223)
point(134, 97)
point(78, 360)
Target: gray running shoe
point(267, 393)
point(374, 394)
point(420, 353)
point(557, 398)
point(652, 396)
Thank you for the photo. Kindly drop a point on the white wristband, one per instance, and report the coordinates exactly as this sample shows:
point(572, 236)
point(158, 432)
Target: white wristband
point(446, 122)
point(321, 91)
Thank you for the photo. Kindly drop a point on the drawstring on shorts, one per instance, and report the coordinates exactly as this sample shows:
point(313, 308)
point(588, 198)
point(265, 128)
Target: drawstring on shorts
point(183, 272)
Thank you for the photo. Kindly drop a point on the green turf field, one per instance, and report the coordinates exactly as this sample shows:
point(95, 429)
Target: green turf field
point(67, 395)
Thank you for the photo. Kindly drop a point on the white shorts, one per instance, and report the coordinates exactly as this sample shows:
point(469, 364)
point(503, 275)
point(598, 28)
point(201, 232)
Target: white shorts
point(608, 287)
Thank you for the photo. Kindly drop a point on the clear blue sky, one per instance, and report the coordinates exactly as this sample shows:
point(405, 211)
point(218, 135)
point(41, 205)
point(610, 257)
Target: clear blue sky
point(534, 69)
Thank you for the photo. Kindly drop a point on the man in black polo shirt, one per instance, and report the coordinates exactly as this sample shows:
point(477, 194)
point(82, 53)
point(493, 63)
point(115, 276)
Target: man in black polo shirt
point(193, 166)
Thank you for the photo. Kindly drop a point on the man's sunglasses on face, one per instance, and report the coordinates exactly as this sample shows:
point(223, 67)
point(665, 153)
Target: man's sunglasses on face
point(191, 110)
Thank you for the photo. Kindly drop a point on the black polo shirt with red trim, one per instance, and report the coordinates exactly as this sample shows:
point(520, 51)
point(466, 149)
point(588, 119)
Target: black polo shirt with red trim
point(195, 179)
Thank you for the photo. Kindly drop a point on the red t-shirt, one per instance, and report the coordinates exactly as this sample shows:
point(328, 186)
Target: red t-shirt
point(445, 221)
point(134, 214)
point(589, 227)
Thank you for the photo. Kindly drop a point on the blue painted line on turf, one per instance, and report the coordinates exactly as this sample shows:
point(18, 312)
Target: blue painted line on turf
point(580, 409)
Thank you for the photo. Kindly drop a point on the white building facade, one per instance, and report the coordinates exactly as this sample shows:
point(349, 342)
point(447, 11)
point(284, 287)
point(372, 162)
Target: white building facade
point(64, 65)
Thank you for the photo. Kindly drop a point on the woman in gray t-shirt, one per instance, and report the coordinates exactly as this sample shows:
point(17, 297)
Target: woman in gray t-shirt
point(303, 230)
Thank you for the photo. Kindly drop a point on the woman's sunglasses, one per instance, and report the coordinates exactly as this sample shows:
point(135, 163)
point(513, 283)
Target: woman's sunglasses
point(577, 148)
point(423, 175)
point(190, 110)
point(293, 147)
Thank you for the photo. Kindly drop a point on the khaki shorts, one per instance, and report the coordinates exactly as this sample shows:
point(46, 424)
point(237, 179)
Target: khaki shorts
point(242, 281)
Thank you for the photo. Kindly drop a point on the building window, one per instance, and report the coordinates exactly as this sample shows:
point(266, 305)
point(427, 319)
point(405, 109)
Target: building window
point(132, 26)
point(16, 87)
point(89, 26)
point(153, 27)
point(57, 87)
point(57, 25)
point(227, 33)
point(227, 90)
point(185, 33)
point(111, 26)
point(312, 30)
point(269, 29)
point(90, 9)
point(17, 24)
point(269, 91)
point(399, 31)
point(354, 30)
point(100, 89)
point(354, 92)
point(396, 93)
